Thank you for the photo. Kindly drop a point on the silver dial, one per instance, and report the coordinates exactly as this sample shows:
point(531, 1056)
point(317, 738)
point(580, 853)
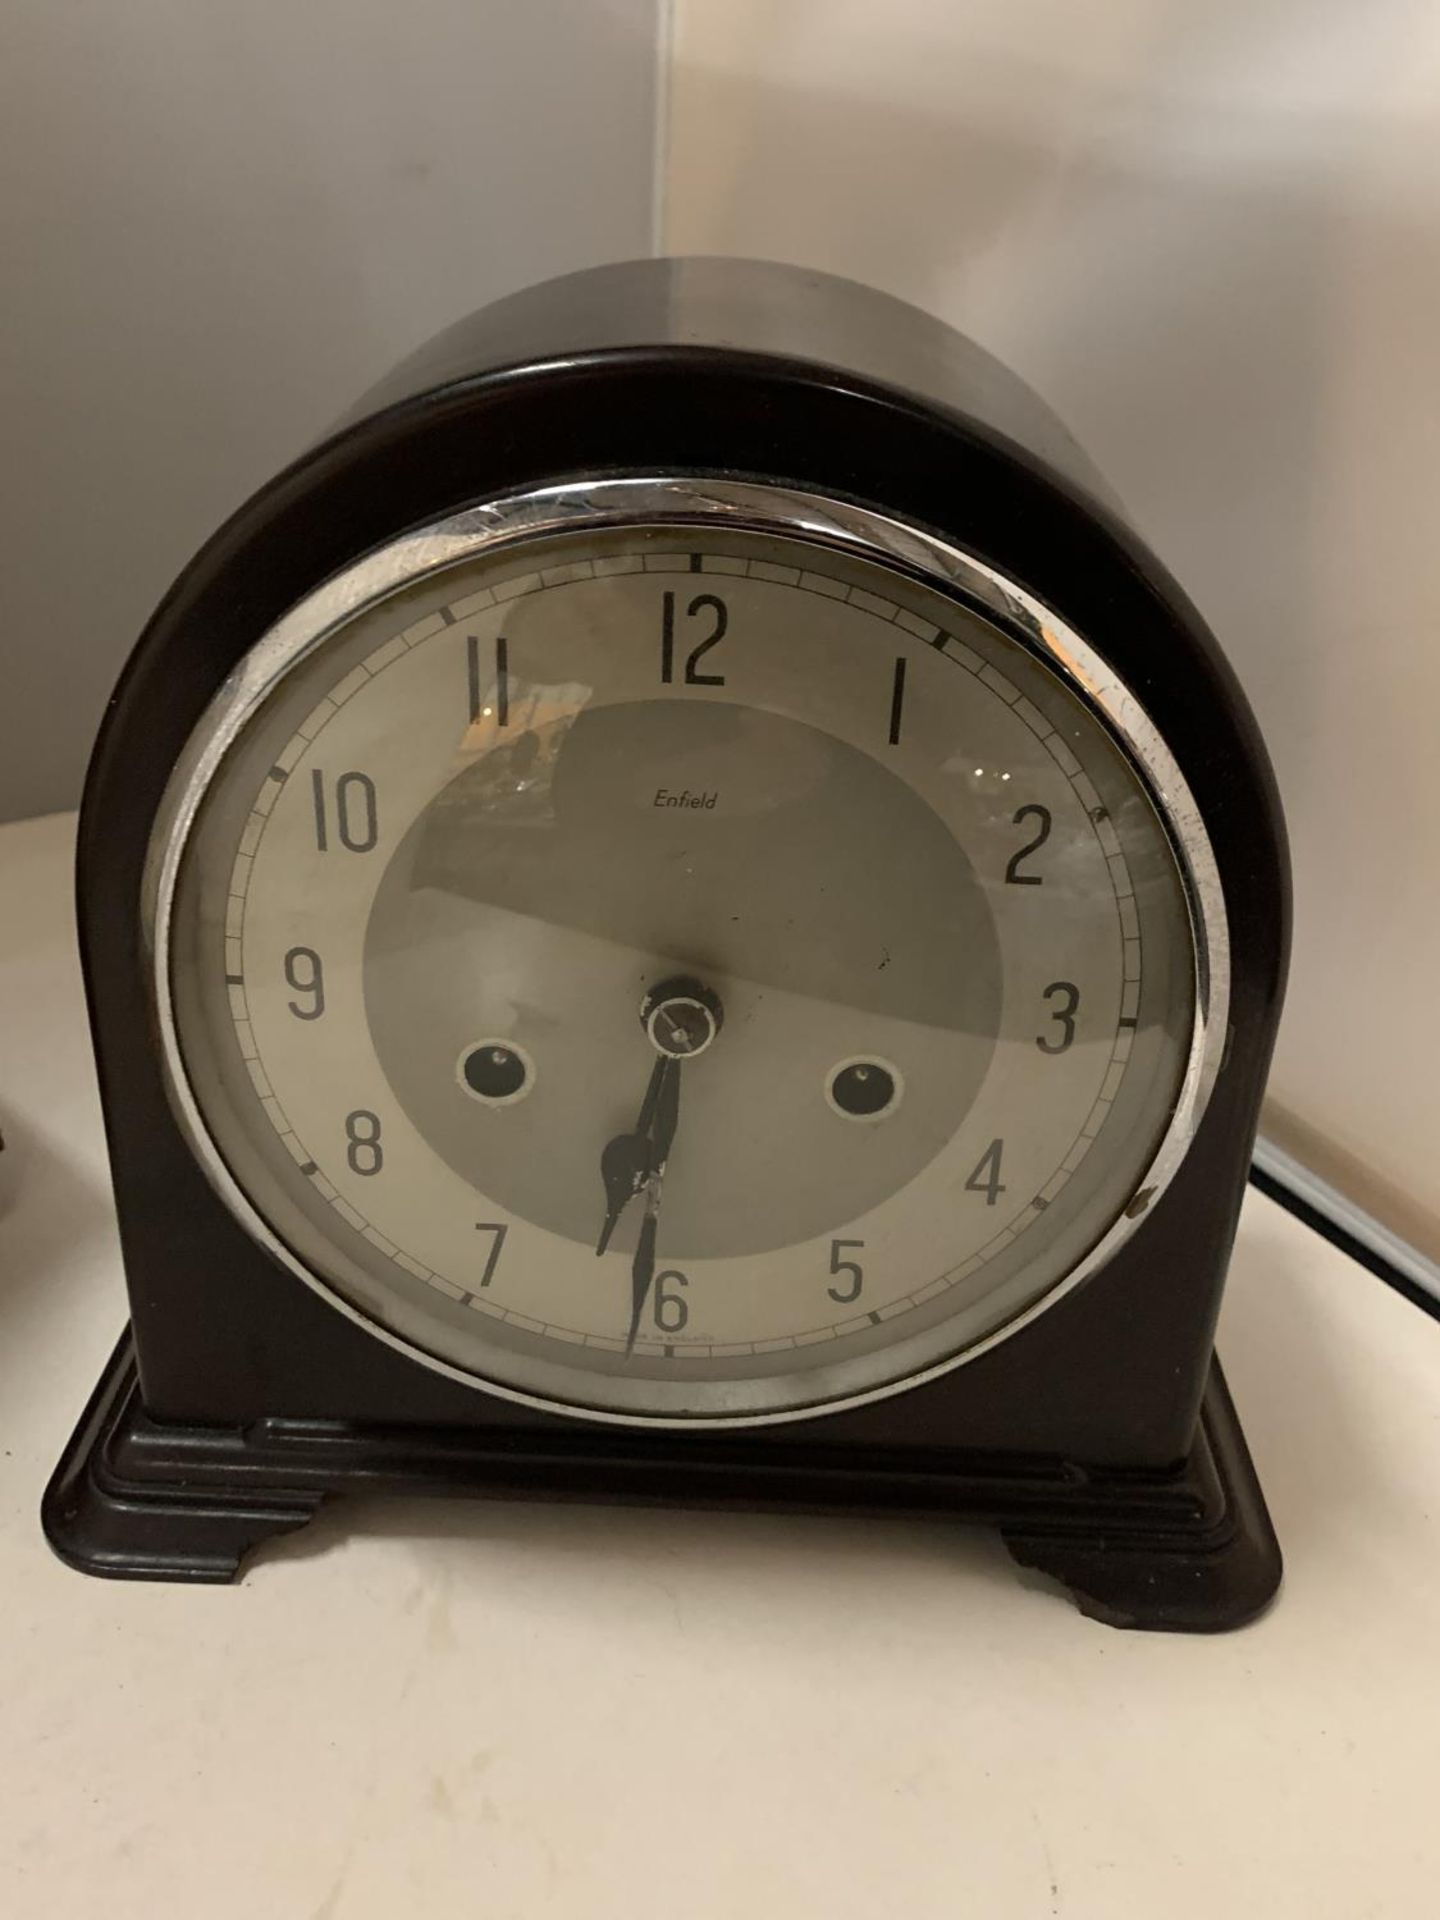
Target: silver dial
point(742, 883)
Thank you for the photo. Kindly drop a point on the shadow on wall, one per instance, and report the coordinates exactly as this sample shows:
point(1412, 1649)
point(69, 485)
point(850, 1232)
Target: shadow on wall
point(1159, 288)
point(1201, 235)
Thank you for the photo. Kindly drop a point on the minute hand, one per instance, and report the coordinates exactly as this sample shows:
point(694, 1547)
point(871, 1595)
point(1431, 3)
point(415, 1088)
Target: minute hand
point(642, 1269)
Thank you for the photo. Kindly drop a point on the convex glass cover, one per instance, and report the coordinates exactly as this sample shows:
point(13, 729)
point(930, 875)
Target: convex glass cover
point(684, 951)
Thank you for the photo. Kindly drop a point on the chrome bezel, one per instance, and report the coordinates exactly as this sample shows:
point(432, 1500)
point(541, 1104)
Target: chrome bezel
point(682, 500)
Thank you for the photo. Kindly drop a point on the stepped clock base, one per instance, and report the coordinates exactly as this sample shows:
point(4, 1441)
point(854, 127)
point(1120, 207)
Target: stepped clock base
point(1189, 1551)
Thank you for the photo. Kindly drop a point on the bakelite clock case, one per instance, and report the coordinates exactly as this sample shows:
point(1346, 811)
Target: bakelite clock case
point(1099, 1439)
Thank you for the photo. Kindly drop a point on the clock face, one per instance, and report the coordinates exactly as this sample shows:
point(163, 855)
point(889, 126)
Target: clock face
point(680, 972)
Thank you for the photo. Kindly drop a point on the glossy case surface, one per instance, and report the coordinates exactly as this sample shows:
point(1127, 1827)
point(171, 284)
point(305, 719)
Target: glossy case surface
point(771, 373)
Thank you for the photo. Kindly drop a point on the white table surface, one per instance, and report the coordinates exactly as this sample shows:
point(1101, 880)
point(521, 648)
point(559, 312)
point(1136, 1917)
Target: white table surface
point(452, 1708)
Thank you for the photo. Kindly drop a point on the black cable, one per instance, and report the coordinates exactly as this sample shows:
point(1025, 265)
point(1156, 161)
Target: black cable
point(1346, 1241)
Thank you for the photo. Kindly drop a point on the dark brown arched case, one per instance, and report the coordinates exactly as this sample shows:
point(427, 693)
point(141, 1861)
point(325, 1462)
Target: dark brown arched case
point(1099, 1440)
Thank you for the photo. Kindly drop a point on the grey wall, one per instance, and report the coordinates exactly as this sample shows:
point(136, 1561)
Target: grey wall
point(217, 225)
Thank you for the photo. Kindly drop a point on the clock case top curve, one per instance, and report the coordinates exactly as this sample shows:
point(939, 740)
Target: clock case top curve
point(762, 372)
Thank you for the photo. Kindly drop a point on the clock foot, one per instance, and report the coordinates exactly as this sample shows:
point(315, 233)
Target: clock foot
point(1216, 1567)
point(103, 1513)
point(1188, 1551)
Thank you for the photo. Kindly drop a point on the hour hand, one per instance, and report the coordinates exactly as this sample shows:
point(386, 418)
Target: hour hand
point(627, 1161)
point(625, 1165)
point(682, 1018)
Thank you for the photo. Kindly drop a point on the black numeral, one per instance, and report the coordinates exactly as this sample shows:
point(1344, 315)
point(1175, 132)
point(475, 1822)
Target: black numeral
point(499, 1229)
point(1063, 1016)
point(986, 1177)
point(480, 703)
point(1042, 834)
point(304, 972)
point(364, 1152)
point(670, 1309)
point(702, 603)
point(356, 818)
point(897, 700)
point(852, 1267)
